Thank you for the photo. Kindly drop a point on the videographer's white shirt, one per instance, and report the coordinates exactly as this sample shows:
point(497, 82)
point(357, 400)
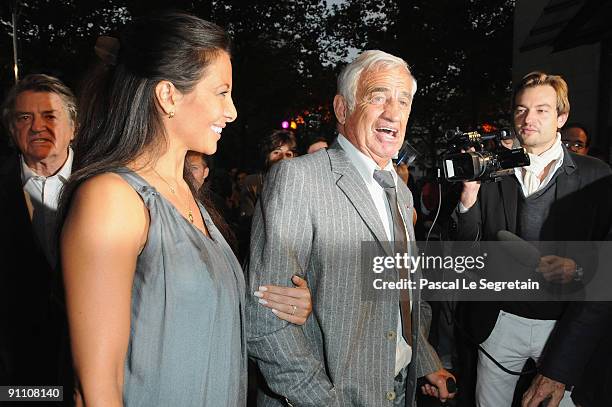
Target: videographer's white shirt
point(554, 153)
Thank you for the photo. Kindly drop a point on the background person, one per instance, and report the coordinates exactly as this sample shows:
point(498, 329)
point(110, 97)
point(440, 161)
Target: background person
point(534, 204)
point(197, 165)
point(40, 115)
point(316, 144)
point(575, 137)
point(277, 146)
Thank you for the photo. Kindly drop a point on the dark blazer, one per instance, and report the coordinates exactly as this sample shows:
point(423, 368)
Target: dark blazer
point(586, 345)
point(581, 355)
point(584, 325)
point(581, 212)
point(31, 320)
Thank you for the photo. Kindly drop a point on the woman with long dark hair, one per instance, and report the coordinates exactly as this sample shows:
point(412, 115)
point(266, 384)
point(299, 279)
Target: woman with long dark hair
point(154, 294)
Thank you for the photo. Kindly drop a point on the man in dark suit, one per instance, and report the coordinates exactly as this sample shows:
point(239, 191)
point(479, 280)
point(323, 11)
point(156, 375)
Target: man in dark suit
point(579, 356)
point(39, 113)
point(311, 220)
point(560, 196)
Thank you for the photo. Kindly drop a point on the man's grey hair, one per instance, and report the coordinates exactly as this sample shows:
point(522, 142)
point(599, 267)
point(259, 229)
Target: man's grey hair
point(349, 77)
point(38, 83)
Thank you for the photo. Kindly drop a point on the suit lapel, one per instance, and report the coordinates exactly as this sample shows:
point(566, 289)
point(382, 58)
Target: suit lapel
point(351, 184)
point(509, 193)
point(567, 182)
point(570, 181)
point(15, 207)
point(11, 192)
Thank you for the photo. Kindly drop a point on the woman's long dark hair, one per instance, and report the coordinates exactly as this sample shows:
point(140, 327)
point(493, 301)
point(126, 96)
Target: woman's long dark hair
point(119, 117)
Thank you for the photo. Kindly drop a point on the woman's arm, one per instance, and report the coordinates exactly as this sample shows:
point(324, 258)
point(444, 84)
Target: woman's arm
point(292, 304)
point(104, 231)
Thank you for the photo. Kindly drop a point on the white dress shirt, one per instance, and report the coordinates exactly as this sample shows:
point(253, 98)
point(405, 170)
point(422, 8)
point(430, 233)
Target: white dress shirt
point(366, 166)
point(42, 194)
point(558, 159)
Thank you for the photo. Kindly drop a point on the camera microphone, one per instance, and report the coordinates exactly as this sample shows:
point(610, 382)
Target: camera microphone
point(459, 136)
point(502, 134)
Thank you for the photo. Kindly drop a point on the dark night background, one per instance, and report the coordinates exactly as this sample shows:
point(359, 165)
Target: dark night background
point(287, 55)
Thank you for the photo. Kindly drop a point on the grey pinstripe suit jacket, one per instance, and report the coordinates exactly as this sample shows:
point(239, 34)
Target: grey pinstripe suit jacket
point(313, 215)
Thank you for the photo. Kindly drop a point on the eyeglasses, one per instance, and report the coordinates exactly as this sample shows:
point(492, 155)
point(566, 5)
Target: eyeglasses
point(574, 145)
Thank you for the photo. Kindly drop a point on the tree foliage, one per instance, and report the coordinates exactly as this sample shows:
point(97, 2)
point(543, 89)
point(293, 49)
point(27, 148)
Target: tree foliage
point(460, 52)
point(287, 55)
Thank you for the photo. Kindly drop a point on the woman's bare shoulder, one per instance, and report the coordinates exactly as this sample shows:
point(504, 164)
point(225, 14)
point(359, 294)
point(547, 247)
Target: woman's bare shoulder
point(109, 205)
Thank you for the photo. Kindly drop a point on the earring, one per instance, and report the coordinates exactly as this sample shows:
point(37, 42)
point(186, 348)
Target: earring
point(171, 114)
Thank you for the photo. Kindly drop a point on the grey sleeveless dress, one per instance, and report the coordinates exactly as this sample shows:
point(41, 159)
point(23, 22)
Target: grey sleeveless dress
point(187, 344)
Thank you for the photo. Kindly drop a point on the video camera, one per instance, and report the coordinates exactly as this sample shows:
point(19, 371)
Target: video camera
point(489, 161)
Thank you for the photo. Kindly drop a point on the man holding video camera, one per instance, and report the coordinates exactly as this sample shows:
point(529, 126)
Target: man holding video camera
point(560, 196)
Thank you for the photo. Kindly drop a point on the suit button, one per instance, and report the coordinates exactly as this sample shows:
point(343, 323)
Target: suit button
point(391, 335)
point(390, 395)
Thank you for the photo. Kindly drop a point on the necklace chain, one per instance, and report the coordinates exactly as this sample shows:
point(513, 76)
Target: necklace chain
point(173, 190)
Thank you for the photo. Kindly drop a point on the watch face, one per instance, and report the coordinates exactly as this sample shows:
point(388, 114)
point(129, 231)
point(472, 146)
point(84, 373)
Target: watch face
point(578, 273)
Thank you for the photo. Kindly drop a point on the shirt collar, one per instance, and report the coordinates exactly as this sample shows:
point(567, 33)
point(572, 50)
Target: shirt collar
point(364, 164)
point(63, 174)
point(564, 160)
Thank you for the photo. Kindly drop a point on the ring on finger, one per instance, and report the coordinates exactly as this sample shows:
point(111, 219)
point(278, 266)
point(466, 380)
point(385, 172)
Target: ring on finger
point(294, 309)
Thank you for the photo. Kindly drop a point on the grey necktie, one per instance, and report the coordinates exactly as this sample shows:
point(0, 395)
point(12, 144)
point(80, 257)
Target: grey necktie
point(385, 180)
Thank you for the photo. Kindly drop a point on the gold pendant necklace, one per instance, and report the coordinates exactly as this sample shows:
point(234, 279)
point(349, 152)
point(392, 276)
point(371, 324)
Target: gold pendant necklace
point(173, 190)
point(190, 215)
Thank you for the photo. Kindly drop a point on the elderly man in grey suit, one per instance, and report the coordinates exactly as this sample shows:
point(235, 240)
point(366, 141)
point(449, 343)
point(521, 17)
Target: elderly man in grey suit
point(312, 217)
